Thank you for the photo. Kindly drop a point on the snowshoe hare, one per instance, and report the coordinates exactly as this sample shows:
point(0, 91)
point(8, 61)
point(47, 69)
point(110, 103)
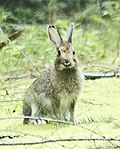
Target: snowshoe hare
point(55, 92)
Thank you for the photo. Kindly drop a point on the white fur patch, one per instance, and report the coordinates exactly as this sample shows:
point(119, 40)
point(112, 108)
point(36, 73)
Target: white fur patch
point(65, 103)
point(34, 108)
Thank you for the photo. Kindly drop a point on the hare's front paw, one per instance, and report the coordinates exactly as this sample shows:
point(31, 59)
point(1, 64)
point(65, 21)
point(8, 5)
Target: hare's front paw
point(39, 122)
point(32, 122)
point(76, 122)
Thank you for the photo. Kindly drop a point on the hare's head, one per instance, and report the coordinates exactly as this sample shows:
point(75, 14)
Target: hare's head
point(66, 58)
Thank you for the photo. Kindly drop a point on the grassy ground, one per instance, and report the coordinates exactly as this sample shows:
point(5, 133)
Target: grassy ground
point(97, 112)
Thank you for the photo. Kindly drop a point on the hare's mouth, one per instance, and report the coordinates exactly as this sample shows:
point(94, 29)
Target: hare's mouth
point(66, 66)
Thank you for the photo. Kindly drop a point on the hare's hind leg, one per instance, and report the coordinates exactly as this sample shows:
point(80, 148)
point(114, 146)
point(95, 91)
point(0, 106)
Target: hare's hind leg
point(72, 110)
point(26, 112)
point(34, 110)
point(30, 111)
point(35, 113)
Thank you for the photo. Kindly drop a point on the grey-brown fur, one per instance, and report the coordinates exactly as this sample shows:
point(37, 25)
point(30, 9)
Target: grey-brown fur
point(56, 91)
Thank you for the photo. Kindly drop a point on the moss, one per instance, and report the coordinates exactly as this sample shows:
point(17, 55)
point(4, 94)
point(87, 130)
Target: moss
point(97, 113)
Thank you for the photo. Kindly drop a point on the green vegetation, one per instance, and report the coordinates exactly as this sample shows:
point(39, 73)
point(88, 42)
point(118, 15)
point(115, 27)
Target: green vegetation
point(90, 46)
point(96, 40)
point(97, 112)
point(96, 36)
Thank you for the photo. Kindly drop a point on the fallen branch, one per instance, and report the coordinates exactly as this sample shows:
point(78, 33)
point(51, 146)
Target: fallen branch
point(9, 136)
point(39, 118)
point(88, 75)
point(12, 37)
point(60, 140)
point(94, 75)
point(1, 101)
point(22, 76)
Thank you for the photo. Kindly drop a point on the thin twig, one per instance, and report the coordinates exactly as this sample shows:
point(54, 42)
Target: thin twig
point(38, 118)
point(11, 100)
point(12, 37)
point(118, 50)
point(60, 140)
point(22, 76)
point(15, 48)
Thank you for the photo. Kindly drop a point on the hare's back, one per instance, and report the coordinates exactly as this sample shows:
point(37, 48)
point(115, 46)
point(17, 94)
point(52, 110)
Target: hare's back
point(42, 82)
point(39, 87)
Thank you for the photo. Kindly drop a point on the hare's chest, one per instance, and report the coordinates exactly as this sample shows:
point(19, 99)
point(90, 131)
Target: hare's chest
point(69, 88)
point(65, 98)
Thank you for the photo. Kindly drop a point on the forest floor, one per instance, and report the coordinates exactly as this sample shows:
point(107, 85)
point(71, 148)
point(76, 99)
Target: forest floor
point(97, 115)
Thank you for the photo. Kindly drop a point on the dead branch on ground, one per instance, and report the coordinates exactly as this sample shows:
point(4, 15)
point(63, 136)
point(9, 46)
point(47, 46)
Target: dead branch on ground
point(38, 118)
point(9, 136)
point(60, 140)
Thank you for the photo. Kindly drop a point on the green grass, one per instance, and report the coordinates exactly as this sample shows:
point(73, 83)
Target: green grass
point(35, 44)
point(97, 112)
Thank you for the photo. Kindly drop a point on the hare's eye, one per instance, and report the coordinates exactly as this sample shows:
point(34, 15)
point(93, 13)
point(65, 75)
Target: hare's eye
point(59, 52)
point(73, 52)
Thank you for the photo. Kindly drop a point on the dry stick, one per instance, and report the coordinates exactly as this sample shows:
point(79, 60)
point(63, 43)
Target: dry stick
point(118, 50)
point(59, 140)
point(15, 48)
point(21, 133)
point(20, 76)
point(10, 100)
point(38, 118)
point(9, 136)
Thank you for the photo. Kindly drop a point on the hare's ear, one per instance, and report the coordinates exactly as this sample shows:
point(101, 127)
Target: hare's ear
point(71, 26)
point(54, 35)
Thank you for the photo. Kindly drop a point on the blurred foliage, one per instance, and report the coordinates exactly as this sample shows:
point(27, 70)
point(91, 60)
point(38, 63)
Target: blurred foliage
point(47, 11)
point(96, 34)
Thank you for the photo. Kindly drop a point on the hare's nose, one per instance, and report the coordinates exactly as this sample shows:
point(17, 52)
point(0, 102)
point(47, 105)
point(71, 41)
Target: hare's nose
point(67, 63)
